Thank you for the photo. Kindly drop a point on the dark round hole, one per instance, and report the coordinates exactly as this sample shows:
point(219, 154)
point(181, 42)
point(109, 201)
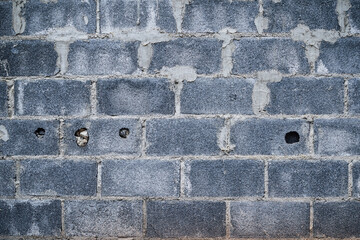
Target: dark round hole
point(82, 137)
point(124, 132)
point(40, 132)
point(292, 137)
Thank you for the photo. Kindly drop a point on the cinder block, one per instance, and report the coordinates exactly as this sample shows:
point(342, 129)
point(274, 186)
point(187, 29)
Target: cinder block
point(6, 18)
point(3, 99)
point(7, 178)
point(354, 96)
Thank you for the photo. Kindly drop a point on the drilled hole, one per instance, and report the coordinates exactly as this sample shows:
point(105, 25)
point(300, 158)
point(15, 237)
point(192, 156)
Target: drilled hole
point(124, 132)
point(292, 137)
point(82, 137)
point(40, 132)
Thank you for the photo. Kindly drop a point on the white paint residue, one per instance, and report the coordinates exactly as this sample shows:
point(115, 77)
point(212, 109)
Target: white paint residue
point(145, 53)
point(4, 64)
point(48, 1)
point(178, 7)
point(18, 19)
point(342, 7)
point(321, 68)
point(261, 23)
point(4, 135)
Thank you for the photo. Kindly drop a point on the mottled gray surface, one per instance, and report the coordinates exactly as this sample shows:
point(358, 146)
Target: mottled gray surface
point(340, 57)
point(217, 96)
point(135, 96)
point(356, 179)
point(270, 219)
point(103, 136)
point(286, 15)
point(30, 217)
point(102, 56)
point(6, 18)
point(337, 219)
point(337, 137)
point(354, 16)
point(3, 99)
point(354, 96)
point(103, 218)
point(224, 178)
point(193, 219)
point(148, 178)
point(52, 97)
point(7, 178)
point(202, 54)
point(27, 58)
point(306, 96)
point(284, 55)
point(22, 139)
point(308, 179)
point(183, 136)
point(267, 137)
point(212, 16)
point(57, 178)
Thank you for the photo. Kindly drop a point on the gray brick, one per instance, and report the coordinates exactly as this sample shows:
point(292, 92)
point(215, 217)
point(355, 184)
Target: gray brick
point(286, 15)
point(30, 217)
point(308, 179)
point(212, 16)
point(56, 178)
point(337, 219)
point(354, 16)
point(101, 56)
point(40, 16)
point(306, 96)
point(6, 18)
point(270, 219)
point(356, 179)
point(183, 136)
point(135, 96)
point(253, 54)
point(148, 178)
point(29, 137)
point(354, 96)
point(7, 178)
point(52, 97)
point(3, 99)
point(104, 137)
point(232, 96)
point(27, 58)
point(103, 218)
point(340, 57)
point(337, 136)
point(224, 178)
point(267, 137)
point(202, 54)
point(166, 219)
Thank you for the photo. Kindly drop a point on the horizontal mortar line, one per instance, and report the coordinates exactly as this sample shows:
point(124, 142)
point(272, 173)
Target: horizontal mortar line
point(148, 238)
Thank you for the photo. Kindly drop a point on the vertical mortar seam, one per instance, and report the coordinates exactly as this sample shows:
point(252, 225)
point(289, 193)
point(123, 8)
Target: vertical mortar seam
point(143, 137)
point(311, 221)
point(266, 179)
point(311, 142)
point(346, 96)
point(17, 178)
point(144, 223)
point(182, 178)
point(99, 179)
point(98, 30)
point(350, 179)
point(61, 137)
point(63, 218)
point(227, 219)
point(10, 98)
point(93, 97)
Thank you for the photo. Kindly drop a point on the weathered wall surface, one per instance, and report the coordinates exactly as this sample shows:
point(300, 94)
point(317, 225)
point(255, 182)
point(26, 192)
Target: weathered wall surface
point(179, 118)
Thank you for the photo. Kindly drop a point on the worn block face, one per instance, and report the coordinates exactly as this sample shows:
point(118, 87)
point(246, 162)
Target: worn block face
point(29, 137)
point(356, 179)
point(183, 136)
point(103, 218)
point(205, 96)
point(270, 137)
point(269, 219)
point(224, 178)
point(212, 16)
point(100, 57)
point(6, 18)
point(30, 217)
point(354, 96)
point(3, 99)
point(102, 136)
point(168, 219)
point(284, 55)
point(135, 96)
point(337, 137)
point(52, 97)
point(354, 16)
point(7, 178)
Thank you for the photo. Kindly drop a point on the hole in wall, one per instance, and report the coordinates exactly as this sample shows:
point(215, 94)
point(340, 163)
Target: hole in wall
point(82, 137)
point(40, 132)
point(292, 137)
point(124, 132)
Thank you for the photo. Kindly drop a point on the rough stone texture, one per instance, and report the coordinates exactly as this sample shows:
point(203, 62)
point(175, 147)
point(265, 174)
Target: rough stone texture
point(217, 96)
point(101, 56)
point(267, 137)
point(6, 18)
point(52, 97)
point(356, 179)
point(306, 96)
point(135, 96)
point(3, 99)
point(212, 16)
point(286, 15)
point(354, 96)
point(337, 219)
point(224, 178)
point(148, 178)
point(30, 217)
point(253, 54)
point(27, 58)
point(183, 136)
point(193, 219)
point(270, 219)
point(354, 16)
point(57, 178)
point(22, 139)
point(308, 179)
point(337, 137)
point(202, 54)
point(7, 178)
point(103, 136)
point(340, 57)
point(105, 218)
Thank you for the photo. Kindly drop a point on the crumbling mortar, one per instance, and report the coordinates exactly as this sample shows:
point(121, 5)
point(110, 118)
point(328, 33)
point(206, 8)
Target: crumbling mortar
point(10, 98)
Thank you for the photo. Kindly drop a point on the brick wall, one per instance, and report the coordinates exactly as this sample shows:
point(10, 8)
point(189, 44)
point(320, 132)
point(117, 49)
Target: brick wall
point(179, 118)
